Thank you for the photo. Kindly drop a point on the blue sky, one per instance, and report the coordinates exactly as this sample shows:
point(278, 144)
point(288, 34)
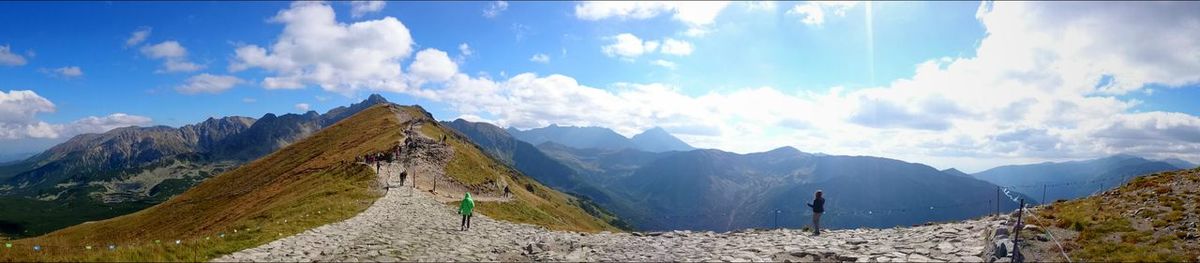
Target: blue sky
point(736, 76)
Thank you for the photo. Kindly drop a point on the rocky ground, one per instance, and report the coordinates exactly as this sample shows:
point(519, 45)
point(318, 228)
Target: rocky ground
point(408, 225)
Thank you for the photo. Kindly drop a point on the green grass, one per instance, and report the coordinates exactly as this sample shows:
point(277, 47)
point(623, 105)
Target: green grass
point(23, 217)
point(534, 203)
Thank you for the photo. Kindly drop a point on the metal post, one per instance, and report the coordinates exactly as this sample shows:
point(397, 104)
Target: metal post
point(1043, 193)
point(776, 219)
point(1017, 234)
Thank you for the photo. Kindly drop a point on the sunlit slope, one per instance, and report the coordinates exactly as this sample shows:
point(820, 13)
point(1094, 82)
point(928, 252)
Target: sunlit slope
point(533, 203)
point(1152, 218)
point(309, 183)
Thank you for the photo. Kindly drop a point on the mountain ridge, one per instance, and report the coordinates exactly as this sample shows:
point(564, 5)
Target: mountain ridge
point(146, 165)
point(655, 139)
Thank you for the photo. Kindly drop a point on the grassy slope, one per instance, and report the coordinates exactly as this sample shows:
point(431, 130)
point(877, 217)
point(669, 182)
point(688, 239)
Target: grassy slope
point(306, 184)
point(534, 203)
point(1109, 226)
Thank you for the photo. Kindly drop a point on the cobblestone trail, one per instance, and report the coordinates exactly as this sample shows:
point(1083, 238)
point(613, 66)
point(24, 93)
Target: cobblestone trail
point(407, 225)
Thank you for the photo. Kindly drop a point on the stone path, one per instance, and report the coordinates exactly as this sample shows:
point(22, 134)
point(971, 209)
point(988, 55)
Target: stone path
point(407, 225)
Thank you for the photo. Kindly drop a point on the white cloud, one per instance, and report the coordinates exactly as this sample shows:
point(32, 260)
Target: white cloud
point(249, 100)
point(302, 107)
point(361, 8)
point(813, 12)
point(663, 63)
point(1028, 94)
point(628, 46)
point(495, 8)
point(67, 72)
point(166, 49)
point(21, 106)
point(696, 15)
point(174, 56)
point(208, 83)
point(540, 58)
point(676, 47)
point(137, 37)
point(767, 6)
point(93, 124)
point(464, 49)
point(431, 65)
point(18, 118)
point(315, 49)
point(8, 58)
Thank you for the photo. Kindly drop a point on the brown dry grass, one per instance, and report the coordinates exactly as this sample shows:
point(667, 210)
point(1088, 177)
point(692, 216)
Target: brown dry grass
point(309, 183)
point(1138, 222)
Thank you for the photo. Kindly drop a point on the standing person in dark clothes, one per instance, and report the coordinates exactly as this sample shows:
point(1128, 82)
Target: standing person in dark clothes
point(403, 175)
point(818, 207)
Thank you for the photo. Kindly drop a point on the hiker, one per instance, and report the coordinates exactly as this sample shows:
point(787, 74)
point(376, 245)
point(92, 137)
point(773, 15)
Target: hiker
point(507, 193)
point(818, 207)
point(403, 175)
point(464, 209)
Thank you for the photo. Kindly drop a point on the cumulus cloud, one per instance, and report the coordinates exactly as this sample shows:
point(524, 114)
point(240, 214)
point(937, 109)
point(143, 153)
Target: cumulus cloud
point(64, 72)
point(173, 55)
point(696, 15)
point(18, 118)
point(465, 50)
point(676, 47)
point(93, 124)
point(663, 63)
point(315, 49)
point(813, 12)
point(208, 83)
point(495, 8)
point(137, 37)
point(361, 8)
point(628, 46)
point(8, 58)
point(540, 58)
point(431, 65)
point(1034, 90)
point(302, 107)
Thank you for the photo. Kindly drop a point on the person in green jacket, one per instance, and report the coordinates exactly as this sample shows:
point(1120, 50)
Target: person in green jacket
point(464, 209)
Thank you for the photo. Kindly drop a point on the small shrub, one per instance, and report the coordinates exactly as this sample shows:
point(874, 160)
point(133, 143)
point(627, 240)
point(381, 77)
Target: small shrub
point(1078, 227)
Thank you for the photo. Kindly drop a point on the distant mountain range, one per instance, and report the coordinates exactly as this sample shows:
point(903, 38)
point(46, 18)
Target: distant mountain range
point(1074, 179)
point(717, 190)
point(653, 140)
point(147, 165)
